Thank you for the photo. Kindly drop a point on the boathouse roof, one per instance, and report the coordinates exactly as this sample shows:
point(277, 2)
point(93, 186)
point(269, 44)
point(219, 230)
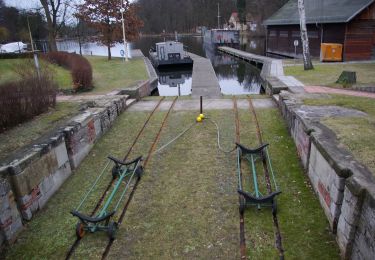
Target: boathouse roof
point(319, 11)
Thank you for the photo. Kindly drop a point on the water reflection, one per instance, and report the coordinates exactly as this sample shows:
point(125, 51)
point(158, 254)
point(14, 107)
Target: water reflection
point(236, 77)
point(174, 82)
point(247, 80)
point(92, 48)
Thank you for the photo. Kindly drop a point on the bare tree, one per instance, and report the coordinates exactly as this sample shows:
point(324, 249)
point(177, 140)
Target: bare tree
point(305, 39)
point(105, 17)
point(55, 11)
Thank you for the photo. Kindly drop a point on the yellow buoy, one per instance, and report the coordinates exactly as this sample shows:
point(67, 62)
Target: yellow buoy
point(201, 116)
point(199, 119)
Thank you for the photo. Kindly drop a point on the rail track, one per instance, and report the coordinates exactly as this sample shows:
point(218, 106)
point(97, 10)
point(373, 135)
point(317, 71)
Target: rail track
point(278, 237)
point(110, 242)
point(242, 220)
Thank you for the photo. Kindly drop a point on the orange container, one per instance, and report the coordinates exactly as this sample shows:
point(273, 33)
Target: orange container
point(331, 52)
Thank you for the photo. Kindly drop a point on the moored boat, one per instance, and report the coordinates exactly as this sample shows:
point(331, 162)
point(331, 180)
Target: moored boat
point(169, 53)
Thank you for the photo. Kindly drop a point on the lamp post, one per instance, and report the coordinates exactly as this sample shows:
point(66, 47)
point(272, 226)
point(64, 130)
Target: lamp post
point(122, 10)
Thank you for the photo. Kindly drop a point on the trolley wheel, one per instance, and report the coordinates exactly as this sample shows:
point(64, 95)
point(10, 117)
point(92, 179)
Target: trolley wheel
point(115, 171)
point(80, 230)
point(274, 207)
point(242, 205)
point(112, 228)
point(139, 172)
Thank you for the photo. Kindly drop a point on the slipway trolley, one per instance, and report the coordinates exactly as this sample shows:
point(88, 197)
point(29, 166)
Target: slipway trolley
point(251, 196)
point(122, 173)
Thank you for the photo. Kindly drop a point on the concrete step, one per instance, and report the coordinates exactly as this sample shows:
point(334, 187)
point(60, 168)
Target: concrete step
point(130, 101)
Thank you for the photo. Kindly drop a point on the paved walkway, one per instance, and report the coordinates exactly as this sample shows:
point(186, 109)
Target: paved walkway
point(208, 104)
point(319, 89)
point(271, 67)
point(204, 82)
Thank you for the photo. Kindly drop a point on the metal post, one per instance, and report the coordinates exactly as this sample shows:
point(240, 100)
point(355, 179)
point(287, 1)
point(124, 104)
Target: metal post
point(122, 10)
point(218, 15)
point(201, 103)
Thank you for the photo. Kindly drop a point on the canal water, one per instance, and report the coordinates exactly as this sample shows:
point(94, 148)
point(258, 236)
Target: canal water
point(236, 77)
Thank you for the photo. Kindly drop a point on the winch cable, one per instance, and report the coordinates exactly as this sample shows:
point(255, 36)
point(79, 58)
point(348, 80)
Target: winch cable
point(218, 138)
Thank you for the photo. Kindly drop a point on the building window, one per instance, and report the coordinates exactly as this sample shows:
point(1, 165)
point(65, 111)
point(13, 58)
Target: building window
point(313, 34)
point(284, 34)
point(273, 34)
point(296, 34)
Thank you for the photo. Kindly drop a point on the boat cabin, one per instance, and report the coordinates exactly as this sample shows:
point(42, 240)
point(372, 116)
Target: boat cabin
point(169, 53)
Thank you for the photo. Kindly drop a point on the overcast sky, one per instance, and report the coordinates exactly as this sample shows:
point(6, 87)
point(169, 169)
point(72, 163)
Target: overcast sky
point(22, 4)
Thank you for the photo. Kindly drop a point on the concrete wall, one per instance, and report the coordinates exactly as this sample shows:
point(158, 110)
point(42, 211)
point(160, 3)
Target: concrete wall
point(34, 175)
point(345, 188)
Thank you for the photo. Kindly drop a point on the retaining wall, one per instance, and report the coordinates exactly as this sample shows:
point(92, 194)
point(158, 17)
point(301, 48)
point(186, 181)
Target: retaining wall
point(34, 175)
point(345, 188)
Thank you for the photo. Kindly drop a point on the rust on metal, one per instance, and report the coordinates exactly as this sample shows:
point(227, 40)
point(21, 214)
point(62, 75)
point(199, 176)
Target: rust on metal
point(278, 236)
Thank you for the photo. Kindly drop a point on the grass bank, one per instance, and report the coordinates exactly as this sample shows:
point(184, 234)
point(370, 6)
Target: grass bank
point(327, 74)
point(116, 74)
point(186, 205)
point(8, 68)
point(27, 132)
point(107, 75)
point(356, 133)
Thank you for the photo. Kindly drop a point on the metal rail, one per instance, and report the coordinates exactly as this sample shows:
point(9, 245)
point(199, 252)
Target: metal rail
point(242, 221)
point(278, 238)
point(150, 152)
point(77, 241)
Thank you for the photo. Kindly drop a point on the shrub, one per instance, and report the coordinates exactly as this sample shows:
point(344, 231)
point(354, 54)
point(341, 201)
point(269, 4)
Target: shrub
point(79, 66)
point(30, 96)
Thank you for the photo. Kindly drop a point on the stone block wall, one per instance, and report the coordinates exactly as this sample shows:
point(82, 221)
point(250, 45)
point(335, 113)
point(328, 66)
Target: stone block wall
point(29, 180)
point(10, 218)
point(345, 188)
point(37, 175)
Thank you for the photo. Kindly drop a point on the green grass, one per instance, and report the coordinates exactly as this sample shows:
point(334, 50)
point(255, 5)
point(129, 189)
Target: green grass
point(25, 133)
point(186, 205)
point(107, 75)
point(116, 74)
point(357, 134)
point(8, 73)
point(327, 74)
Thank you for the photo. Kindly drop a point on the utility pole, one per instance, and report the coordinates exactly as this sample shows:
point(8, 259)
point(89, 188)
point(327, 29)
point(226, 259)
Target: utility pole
point(218, 15)
point(122, 10)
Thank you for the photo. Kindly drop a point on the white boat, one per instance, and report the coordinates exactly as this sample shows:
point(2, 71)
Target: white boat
point(169, 53)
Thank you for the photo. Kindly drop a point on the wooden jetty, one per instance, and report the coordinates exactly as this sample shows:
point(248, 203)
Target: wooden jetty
point(204, 82)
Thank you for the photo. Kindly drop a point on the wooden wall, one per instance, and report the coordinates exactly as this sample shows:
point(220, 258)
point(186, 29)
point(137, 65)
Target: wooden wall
point(280, 39)
point(357, 36)
point(360, 36)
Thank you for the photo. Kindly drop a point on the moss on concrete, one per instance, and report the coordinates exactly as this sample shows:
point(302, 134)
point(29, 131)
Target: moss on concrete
point(357, 134)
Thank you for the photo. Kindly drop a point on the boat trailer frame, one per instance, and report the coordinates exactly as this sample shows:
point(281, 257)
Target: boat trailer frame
point(124, 172)
point(256, 198)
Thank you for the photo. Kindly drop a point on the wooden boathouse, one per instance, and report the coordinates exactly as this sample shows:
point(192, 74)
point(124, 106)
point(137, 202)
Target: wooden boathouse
point(348, 22)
